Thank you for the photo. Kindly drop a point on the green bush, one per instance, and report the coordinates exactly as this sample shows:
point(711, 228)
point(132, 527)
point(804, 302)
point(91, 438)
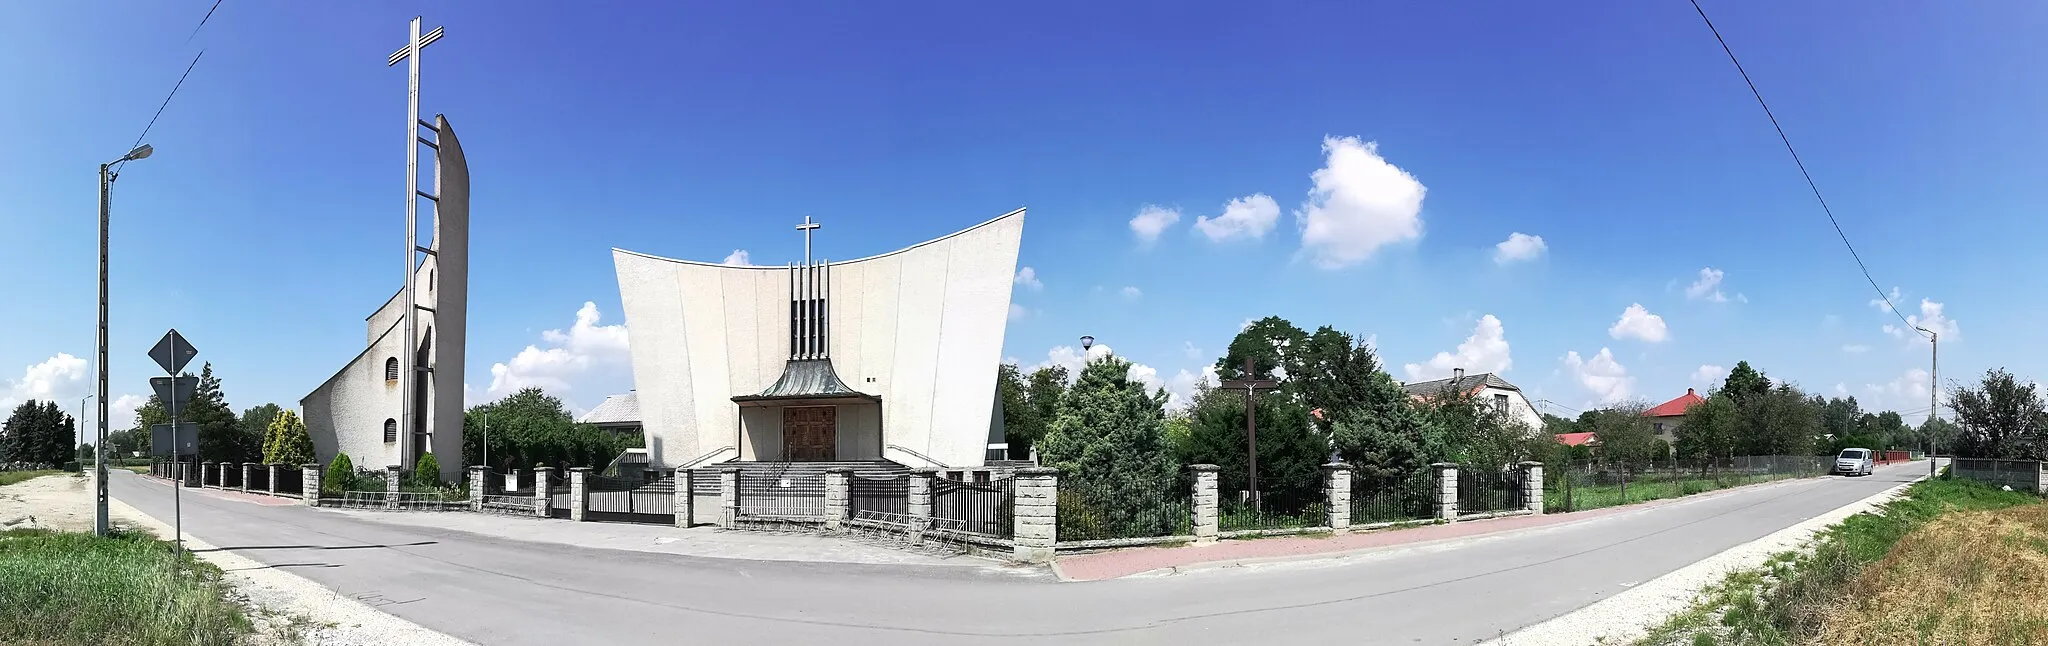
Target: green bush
point(427, 472)
point(341, 473)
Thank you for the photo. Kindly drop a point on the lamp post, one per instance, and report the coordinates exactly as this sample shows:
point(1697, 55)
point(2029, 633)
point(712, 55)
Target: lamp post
point(99, 461)
point(1087, 341)
point(1933, 382)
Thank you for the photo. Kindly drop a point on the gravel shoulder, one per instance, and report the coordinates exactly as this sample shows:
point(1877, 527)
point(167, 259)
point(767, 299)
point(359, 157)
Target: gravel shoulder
point(287, 608)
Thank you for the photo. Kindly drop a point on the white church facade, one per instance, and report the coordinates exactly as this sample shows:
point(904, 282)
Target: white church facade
point(890, 357)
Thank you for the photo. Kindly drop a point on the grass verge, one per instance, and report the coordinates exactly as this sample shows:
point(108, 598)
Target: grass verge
point(1584, 497)
point(64, 588)
point(11, 477)
point(1798, 597)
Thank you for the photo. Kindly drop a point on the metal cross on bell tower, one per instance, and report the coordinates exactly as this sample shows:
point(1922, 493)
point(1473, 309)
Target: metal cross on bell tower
point(807, 227)
point(410, 53)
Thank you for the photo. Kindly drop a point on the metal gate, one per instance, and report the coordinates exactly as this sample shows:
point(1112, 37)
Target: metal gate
point(980, 507)
point(628, 501)
point(779, 500)
point(880, 495)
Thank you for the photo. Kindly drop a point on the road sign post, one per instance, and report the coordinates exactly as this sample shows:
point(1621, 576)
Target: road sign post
point(171, 353)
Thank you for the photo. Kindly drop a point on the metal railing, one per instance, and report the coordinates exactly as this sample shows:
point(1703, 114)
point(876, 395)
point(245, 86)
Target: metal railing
point(1239, 514)
point(768, 500)
point(980, 508)
point(1393, 498)
point(882, 495)
point(1091, 511)
point(402, 500)
point(626, 500)
point(1484, 489)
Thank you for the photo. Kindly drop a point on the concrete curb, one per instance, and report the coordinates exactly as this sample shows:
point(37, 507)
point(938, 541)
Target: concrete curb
point(1624, 617)
point(1591, 515)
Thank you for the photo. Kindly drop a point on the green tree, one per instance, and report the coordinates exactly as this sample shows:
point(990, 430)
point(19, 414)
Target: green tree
point(1382, 434)
point(1745, 383)
point(255, 422)
point(531, 427)
point(84, 453)
point(1554, 425)
point(221, 437)
point(1266, 342)
point(340, 475)
point(1291, 452)
point(427, 471)
point(39, 432)
point(1942, 433)
point(1042, 392)
point(1625, 435)
point(1333, 371)
point(1710, 429)
point(1107, 441)
point(127, 441)
point(1840, 416)
point(287, 442)
point(2001, 418)
point(1779, 422)
point(1475, 432)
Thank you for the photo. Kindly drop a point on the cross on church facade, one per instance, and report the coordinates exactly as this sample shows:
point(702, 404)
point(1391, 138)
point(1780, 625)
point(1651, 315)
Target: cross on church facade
point(807, 227)
point(411, 54)
point(1251, 385)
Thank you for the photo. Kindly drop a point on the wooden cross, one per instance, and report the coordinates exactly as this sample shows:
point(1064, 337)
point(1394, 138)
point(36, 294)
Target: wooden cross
point(1251, 385)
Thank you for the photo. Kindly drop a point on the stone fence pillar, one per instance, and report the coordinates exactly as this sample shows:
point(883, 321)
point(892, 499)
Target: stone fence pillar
point(1337, 495)
point(838, 486)
point(270, 477)
point(309, 484)
point(685, 505)
point(247, 467)
point(579, 492)
point(728, 496)
point(1446, 490)
point(391, 487)
point(476, 486)
point(205, 474)
point(1532, 486)
point(921, 502)
point(1204, 507)
point(543, 491)
point(1037, 509)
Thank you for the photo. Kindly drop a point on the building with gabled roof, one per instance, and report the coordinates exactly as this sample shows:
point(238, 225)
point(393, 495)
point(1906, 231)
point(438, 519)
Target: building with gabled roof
point(1666, 417)
point(1485, 387)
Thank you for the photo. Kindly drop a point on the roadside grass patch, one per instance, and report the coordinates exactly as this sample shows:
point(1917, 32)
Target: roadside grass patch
point(1965, 578)
point(69, 588)
point(1797, 597)
point(11, 477)
point(1585, 497)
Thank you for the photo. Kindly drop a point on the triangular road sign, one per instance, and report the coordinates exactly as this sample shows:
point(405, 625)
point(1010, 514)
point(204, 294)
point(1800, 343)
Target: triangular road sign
point(173, 352)
point(174, 392)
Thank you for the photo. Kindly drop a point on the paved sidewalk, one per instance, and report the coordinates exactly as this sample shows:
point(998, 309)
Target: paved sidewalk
point(1127, 562)
point(705, 542)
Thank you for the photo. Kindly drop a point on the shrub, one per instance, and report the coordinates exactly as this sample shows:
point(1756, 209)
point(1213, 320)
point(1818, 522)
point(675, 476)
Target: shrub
point(71, 467)
point(427, 472)
point(340, 474)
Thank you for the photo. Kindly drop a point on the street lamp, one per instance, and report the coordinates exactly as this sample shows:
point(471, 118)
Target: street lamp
point(99, 461)
point(1933, 381)
point(1086, 342)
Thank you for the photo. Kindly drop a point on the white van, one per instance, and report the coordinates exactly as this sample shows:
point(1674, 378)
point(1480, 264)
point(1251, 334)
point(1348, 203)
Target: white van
point(1853, 462)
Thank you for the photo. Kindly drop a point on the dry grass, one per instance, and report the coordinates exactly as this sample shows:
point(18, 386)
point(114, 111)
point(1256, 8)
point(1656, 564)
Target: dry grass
point(1967, 578)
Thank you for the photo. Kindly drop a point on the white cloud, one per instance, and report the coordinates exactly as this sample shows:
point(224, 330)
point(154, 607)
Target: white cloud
point(1132, 294)
point(1709, 375)
point(1028, 277)
point(1708, 287)
point(738, 258)
point(121, 413)
point(60, 378)
point(1485, 351)
point(1518, 246)
point(1069, 357)
point(1018, 312)
point(1930, 317)
point(1192, 351)
point(1250, 216)
point(584, 351)
point(1182, 385)
point(1855, 348)
point(1905, 393)
point(1360, 203)
point(1152, 221)
point(1880, 303)
point(1606, 378)
point(1841, 389)
point(1639, 323)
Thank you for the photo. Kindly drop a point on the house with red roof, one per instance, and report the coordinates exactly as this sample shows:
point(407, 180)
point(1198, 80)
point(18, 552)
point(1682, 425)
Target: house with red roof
point(1665, 418)
point(1588, 440)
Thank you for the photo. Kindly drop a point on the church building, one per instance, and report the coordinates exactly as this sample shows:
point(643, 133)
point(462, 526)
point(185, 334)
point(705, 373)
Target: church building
point(889, 357)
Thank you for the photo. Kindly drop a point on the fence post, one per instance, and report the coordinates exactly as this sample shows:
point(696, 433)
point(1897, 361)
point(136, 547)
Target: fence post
point(476, 487)
point(920, 502)
point(205, 473)
point(309, 484)
point(684, 504)
point(270, 477)
point(1446, 490)
point(543, 492)
point(1204, 507)
point(1337, 496)
point(728, 496)
point(1037, 510)
point(245, 476)
point(838, 481)
point(579, 492)
point(1532, 485)
point(391, 486)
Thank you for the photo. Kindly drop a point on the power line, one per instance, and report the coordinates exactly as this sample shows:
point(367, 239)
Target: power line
point(159, 112)
point(1802, 167)
point(202, 21)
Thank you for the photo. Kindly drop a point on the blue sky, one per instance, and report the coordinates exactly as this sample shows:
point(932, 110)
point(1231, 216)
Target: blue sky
point(1378, 152)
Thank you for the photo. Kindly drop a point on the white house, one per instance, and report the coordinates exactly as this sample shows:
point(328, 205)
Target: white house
point(1485, 387)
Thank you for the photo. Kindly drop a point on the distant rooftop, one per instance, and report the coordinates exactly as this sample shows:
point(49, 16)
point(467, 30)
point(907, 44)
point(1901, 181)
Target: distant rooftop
point(616, 409)
point(1467, 383)
point(1677, 406)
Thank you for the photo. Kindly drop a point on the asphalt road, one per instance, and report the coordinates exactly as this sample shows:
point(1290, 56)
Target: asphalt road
point(500, 591)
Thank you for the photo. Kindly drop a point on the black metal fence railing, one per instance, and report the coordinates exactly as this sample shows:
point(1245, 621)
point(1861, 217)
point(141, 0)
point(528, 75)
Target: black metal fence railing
point(772, 499)
point(981, 508)
point(1099, 511)
point(1393, 498)
point(259, 478)
point(1270, 513)
point(1483, 489)
point(230, 476)
point(628, 500)
point(880, 495)
point(1578, 486)
point(518, 483)
point(290, 480)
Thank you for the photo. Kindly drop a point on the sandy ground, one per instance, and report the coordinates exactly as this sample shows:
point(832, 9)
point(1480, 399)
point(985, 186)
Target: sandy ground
point(287, 609)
